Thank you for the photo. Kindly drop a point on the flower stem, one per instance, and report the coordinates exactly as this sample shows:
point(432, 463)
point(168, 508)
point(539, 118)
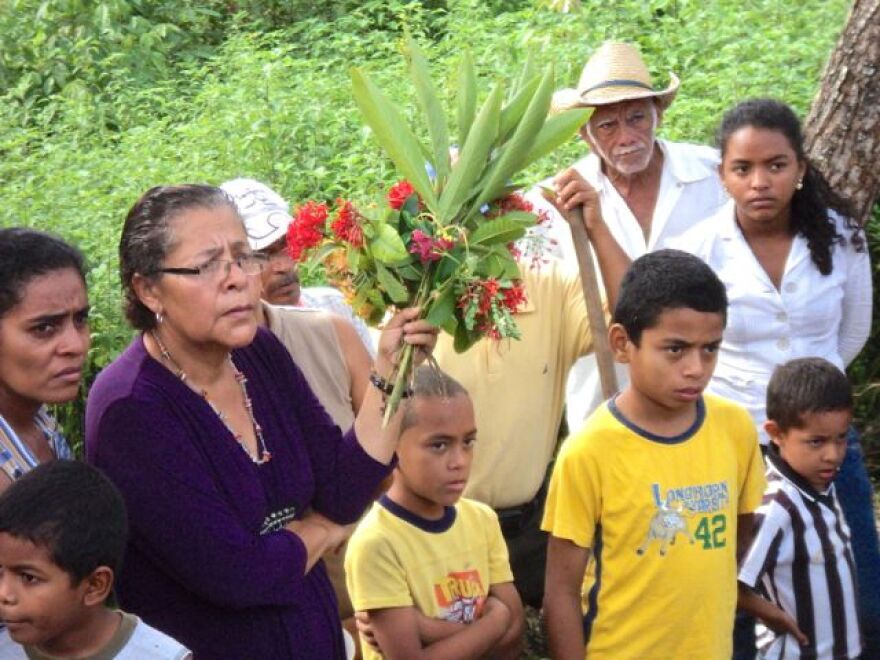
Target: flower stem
point(402, 374)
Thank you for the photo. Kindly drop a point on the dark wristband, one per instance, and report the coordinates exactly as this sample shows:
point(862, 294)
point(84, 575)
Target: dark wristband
point(385, 387)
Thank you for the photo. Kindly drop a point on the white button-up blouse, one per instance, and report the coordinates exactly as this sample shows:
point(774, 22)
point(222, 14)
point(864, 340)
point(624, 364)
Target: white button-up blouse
point(810, 315)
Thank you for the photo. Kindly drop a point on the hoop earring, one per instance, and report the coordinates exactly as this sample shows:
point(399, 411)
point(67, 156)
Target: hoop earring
point(159, 318)
point(800, 184)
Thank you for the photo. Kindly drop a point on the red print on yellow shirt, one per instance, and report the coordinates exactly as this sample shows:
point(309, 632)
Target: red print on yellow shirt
point(460, 596)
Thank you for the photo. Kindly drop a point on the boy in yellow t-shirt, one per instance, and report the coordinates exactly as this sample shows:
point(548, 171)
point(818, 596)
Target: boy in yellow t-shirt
point(656, 485)
point(431, 569)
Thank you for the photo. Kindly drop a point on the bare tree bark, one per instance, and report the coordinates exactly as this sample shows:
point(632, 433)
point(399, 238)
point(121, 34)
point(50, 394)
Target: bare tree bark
point(843, 128)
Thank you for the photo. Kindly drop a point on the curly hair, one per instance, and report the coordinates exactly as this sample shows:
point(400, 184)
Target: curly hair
point(810, 204)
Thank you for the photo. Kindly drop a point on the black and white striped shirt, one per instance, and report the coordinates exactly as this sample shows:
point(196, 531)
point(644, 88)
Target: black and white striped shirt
point(801, 560)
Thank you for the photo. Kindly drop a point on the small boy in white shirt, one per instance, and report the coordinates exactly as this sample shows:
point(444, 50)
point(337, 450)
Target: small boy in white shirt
point(798, 576)
point(63, 529)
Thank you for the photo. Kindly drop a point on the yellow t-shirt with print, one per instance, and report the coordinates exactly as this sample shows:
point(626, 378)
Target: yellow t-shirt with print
point(442, 568)
point(660, 515)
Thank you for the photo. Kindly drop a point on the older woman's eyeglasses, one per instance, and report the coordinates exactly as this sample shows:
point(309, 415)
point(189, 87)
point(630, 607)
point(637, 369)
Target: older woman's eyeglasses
point(251, 263)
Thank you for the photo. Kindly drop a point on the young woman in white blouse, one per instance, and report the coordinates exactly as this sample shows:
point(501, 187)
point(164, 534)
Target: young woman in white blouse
point(795, 264)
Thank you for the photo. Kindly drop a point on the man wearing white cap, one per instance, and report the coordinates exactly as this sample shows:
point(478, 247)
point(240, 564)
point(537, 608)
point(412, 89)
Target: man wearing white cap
point(651, 191)
point(325, 346)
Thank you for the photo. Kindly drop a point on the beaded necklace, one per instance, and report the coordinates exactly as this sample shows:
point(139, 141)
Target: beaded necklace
point(264, 455)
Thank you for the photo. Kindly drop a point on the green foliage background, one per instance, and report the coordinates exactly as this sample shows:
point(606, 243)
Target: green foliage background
point(101, 100)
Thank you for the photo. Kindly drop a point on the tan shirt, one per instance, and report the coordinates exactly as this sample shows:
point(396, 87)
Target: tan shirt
point(311, 338)
point(518, 387)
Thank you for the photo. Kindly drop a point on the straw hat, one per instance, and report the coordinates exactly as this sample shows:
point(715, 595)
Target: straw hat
point(266, 215)
point(615, 73)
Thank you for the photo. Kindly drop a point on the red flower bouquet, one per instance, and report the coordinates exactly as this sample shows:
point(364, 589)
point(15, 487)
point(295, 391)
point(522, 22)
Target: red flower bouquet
point(442, 242)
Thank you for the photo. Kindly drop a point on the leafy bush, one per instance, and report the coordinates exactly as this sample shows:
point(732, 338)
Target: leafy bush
point(103, 100)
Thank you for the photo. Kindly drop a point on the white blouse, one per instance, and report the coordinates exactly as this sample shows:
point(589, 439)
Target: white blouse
point(810, 315)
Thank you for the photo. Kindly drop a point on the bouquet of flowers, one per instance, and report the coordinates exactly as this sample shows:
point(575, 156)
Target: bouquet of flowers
point(442, 239)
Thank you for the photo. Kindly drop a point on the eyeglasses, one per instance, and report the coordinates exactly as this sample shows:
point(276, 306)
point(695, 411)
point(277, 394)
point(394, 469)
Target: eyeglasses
point(250, 264)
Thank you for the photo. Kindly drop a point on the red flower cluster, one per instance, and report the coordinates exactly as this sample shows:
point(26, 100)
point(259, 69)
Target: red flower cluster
point(399, 193)
point(491, 304)
point(345, 225)
point(514, 297)
point(306, 230)
point(516, 202)
point(427, 247)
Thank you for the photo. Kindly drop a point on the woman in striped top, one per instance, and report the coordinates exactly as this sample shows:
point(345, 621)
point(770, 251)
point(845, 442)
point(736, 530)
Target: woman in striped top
point(44, 338)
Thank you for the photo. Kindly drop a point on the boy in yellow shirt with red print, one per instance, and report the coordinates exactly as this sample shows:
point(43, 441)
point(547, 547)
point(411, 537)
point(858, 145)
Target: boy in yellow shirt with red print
point(429, 568)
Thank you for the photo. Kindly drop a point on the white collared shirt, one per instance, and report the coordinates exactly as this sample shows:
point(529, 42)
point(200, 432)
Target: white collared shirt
point(810, 315)
point(690, 190)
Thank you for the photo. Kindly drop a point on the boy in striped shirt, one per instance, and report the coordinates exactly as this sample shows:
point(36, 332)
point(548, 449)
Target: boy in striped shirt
point(798, 576)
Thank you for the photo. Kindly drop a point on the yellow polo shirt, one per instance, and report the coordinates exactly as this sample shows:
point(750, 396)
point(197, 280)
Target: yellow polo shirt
point(518, 386)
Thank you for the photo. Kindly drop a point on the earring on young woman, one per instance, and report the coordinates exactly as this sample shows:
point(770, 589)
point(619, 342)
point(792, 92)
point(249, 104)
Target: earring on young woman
point(800, 184)
point(159, 318)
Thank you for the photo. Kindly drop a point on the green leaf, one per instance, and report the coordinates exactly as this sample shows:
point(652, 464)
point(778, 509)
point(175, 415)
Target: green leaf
point(388, 247)
point(464, 338)
point(557, 130)
point(392, 286)
point(426, 93)
point(512, 113)
point(409, 272)
point(472, 160)
point(510, 159)
point(504, 229)
point(498, 263)
point(442, 307)
point(451, 325)
point(467, 96)
point(529, 71)
point(393, 134)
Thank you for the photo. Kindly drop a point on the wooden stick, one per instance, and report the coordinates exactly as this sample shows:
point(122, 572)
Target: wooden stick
point(593, 300)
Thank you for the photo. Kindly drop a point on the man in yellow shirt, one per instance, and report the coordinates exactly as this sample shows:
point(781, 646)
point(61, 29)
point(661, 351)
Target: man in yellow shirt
point(658, 486)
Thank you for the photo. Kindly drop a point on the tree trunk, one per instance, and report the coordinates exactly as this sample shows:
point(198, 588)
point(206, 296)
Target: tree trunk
point(843, 128)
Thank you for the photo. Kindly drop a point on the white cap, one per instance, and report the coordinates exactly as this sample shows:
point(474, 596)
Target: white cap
point(266, 215)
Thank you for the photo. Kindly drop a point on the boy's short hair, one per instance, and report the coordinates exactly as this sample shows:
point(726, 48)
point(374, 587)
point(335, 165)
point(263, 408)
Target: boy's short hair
point(73, 510)
point(663, 280)
point(806, 385)
point(428, 381)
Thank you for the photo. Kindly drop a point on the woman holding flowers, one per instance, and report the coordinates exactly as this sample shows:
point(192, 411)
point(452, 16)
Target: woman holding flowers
point(235, 479)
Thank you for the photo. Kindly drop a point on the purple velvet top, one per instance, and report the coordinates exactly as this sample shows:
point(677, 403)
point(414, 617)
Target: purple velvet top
point(197, 565)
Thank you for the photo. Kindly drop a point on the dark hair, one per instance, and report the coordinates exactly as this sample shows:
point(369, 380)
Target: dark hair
point(806, 385)
point(26, 254)
point(810, 204)
point(146, 237)
point(73, 510)
point(428, 381)
point(662, 280)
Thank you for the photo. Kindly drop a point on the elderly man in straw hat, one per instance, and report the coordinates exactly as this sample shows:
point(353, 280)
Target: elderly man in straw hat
point(650, 191)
